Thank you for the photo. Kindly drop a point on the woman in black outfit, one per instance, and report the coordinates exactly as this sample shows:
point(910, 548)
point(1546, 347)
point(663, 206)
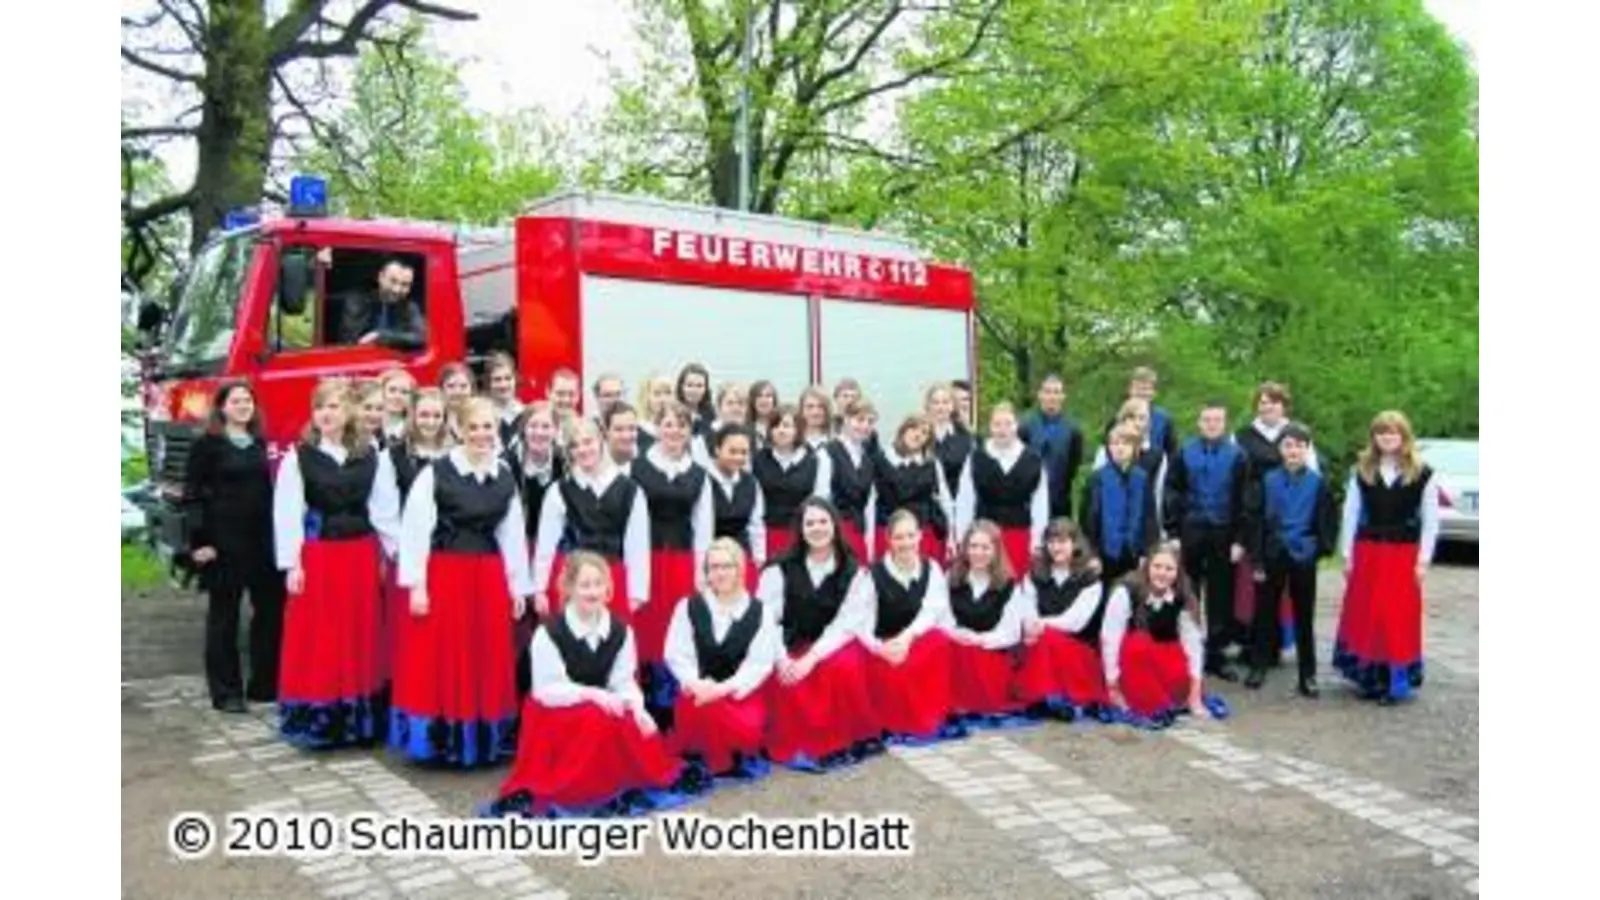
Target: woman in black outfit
point(230, 508)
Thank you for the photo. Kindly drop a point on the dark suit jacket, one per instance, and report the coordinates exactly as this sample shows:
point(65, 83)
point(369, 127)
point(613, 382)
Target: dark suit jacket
point(364, 312)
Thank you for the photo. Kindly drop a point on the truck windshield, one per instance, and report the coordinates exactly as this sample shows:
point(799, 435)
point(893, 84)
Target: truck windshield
point(203, 322)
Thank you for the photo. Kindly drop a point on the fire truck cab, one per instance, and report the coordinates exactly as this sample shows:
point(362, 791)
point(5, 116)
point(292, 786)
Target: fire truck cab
point(588, 282)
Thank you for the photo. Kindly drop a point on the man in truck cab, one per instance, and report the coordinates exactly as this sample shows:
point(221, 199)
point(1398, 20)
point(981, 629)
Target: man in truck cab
point(385, 314)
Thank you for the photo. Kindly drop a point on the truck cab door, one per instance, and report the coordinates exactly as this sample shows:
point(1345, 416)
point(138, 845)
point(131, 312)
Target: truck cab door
point(305, 325)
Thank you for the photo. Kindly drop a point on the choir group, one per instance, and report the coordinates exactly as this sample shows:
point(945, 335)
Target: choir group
point(633, 601)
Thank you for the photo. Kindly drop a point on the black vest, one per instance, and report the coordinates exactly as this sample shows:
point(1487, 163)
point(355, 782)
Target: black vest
point(898, 605)
point(406, 467)
point(733, 513)
point(1006, 498)
point(807, 610)
point(783, 490)
point(337, 494)
point(1391, 514)
point(981, 613)
point(533, 490)
point(953, 452)
point(671, 502)
point(719, 662)
point(469, 511)
point(851, 485)
point(1161, 624)
point(1263, 455)
point(911, 486)
point(599, 523)
point(590, 668)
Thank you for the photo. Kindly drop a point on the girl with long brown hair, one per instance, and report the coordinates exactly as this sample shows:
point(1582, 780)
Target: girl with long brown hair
point(1391, 528)
point(1004, 482)
point(455, 381)
point(1064, 605)
point(986, 612)
point(336, 513)
point(788, 470)
point(229, 503)
point(500, 381)
point(816, 417)
point(907, 475)
point(398, 389)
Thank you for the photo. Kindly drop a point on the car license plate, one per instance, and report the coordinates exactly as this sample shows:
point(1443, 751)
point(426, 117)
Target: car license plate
point(1470, 501)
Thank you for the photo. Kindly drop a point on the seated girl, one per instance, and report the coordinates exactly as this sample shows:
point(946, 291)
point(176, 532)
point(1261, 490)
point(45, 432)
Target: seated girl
point(1061, 674)
point(906, 607)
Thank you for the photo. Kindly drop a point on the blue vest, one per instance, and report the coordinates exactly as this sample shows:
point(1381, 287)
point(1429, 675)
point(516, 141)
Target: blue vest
point(1160, 424)
point(1122, 503)
point(1291, 512)
point(1210, 471)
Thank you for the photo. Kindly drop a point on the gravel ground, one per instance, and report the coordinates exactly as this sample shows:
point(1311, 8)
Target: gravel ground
point(1289, 798)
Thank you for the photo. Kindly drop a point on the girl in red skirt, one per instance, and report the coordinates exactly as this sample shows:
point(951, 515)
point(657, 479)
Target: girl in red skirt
point(721, 646)
point(537, 463)
point(398, 389)
point(906, 605)
point(762, 404)
point(1062, 674)
point(1152, 646)
point(455, 380)
point(1004, 482)
point(500, 376)
point(788, 471)
point(606, 511)
point(370, 412)
point(952, 442)
point(335, 514)
point(821, 713)
point(1391, 526)
point(738, 510)
point(654, 395)
point(420, 445)
point(909, 477)
point(816, 417)
point(464, 557)
point(678, 497)
point(694, 392)
point(986, 612)
point(732, 410)
point(852, 487)
point(586, 742)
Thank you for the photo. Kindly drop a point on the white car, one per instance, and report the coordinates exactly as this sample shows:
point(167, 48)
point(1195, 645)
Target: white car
point(1455, 467)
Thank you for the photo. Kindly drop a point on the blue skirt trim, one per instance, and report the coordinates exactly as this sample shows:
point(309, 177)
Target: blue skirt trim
point(456, 744)
point(950, 731)
point(856, 753)
point(660, 689)
point(1379, 680)
point(1062, 709)
point(1215, 705)
point(996, 721)
point(342, 723)
point(693, 783)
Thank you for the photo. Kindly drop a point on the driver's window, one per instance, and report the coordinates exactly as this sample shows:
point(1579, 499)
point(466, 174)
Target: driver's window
point(355, 292)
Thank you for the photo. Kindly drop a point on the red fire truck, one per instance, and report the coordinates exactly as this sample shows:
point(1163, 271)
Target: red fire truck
point(589, 282)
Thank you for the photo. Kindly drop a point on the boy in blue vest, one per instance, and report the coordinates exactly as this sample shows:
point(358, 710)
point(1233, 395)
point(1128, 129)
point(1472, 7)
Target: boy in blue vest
point(1163, 437)
point(1205, 511)
point(1295, 525)
point(1047, 431)
point(1119, 511)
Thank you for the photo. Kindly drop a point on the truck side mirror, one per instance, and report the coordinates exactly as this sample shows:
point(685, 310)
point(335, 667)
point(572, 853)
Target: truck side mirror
point(294, 279)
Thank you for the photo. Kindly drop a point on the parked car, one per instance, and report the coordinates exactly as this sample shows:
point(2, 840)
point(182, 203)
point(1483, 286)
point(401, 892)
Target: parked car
point(1455, 466)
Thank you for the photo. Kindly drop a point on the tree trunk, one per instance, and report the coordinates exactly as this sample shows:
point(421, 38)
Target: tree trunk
point(235, 131)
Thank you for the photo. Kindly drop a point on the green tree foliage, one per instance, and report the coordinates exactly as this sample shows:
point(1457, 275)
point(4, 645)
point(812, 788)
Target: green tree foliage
point(407, 145)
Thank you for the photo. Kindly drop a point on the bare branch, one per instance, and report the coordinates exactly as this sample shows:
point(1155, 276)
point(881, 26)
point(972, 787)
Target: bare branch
point(925, 71)
point(139, 132)
point(194, 31)
point(136, 217)
point(811, 91)
point(159, 69)
point(287, 32)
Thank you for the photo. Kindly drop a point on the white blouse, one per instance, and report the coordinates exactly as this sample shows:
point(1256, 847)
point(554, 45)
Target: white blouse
point(684, 660)
point(422, 515)
point(289, 504)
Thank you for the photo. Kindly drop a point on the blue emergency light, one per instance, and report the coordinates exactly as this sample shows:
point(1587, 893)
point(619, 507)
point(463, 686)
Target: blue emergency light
point(308, 196)
point(240, 218)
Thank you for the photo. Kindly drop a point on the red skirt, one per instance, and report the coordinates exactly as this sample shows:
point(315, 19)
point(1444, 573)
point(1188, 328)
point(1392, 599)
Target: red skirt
point(826, 712)
point(1381, 619)
point(581, 755)
point(455, 691)
point(1155, 674)
point(329, 689)
point(931, 546)
point(719, 729)
point(672, 578)
point(1019, 547)
point(621, 606)
point(778, 540)
point(1058, 666)
point(913, 698)
point(392, 612)
point(856, 541)
point(981, 681)
point(1244, 601)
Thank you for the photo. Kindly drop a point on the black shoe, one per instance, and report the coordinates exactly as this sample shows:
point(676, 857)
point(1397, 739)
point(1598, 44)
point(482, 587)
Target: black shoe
point(230, 705)
point(1223, 670)
point(1255, 679)
point(261, 695)
point(1308, 688)
point(1386, 699)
